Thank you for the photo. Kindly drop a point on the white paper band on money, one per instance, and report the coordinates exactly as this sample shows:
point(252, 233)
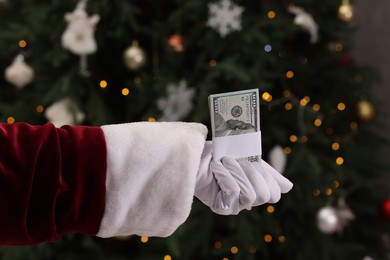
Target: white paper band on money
point(237, 146)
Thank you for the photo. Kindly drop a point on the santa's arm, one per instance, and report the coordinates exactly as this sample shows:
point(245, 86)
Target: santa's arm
point(136, 178)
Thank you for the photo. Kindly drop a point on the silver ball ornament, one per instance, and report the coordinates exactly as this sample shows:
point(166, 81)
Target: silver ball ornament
point(346, 11)
point(134, 56)
point(328, 220)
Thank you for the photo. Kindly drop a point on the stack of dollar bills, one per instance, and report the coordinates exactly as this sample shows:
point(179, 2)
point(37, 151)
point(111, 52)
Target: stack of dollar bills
point(235, 123)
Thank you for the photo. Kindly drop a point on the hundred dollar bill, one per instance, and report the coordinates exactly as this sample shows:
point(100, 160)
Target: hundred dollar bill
point(235, 113)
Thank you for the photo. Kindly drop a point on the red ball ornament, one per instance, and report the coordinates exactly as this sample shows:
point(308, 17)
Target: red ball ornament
point(345, 60)
point(176, 42)
point(385, 208)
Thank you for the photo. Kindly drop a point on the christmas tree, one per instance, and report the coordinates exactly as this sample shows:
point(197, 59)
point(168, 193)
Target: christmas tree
point(102, 62)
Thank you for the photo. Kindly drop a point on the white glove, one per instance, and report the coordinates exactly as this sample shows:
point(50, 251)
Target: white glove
point(229, 186)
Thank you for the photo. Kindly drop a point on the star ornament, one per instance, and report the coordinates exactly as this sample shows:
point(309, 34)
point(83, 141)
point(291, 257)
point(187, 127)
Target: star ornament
point(224, 17)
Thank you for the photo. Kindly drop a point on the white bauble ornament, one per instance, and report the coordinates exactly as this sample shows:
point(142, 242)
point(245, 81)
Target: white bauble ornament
point(277, 158)
point(64, 112)
point(78, 37)
point(19, 73)
point(328, 220)
point(134, 56)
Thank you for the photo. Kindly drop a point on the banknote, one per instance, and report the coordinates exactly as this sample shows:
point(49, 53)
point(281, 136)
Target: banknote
point(235, 113)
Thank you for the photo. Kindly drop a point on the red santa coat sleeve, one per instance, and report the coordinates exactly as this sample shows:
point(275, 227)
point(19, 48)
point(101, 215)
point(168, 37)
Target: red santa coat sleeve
point(52, 182)
point(135, 178)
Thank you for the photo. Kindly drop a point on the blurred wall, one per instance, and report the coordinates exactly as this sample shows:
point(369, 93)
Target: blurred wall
point(372, 46)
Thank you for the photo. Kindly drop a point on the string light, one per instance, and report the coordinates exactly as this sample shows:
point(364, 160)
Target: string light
point(125, 91)
point(267, 48)
point(282, 239)
point(39, 108)
point(293, 138)
point(328, 191)
point(151, 119)
point(266, 96)
point(339, 161)
point(335, 146)
point(316, 107)
point(338, 47)
point(252, 249)
point(225, 258)
point(270, 209)
point(317, 122)
point(335, 184)
point(271, 14)
point(218, 245)
point(304, 139)
point(329, 131)
point(10, 120)
point(316, 192)
point(303, 102)
point(358, 78)
point(144, 239)
point(286, 93)
point(22, 43)
point(103, 84)
point(213, 63)
point(353, 125)
point(288, 106)
point(137, 80)
point(287, 150)
point(167, 257)
point(234, 250)
point(290, 74)
point(268, 238)
point(341, 106)
point(304, 60)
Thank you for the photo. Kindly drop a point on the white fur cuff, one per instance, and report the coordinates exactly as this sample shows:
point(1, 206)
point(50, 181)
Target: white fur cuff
point(151, 176)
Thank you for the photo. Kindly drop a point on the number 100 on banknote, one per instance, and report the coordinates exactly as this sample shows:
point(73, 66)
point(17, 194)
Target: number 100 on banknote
point(235, 123)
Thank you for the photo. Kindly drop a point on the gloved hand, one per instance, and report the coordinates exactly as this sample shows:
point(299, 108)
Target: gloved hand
point(229, 186)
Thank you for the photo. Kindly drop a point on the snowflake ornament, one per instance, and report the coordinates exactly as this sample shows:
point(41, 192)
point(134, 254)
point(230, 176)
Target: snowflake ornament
point(306, 21)
point(178, 103)
point(224, 17)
